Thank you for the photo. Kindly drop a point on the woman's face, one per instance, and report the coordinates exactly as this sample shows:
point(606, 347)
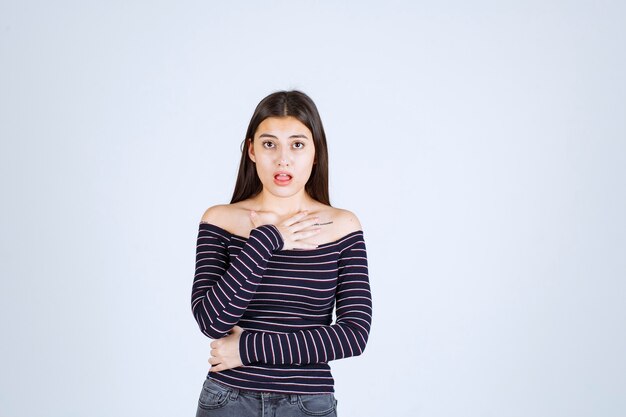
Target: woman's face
point(282, 145)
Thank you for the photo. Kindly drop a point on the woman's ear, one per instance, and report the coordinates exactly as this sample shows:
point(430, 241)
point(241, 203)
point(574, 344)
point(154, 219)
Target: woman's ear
point(251, 150)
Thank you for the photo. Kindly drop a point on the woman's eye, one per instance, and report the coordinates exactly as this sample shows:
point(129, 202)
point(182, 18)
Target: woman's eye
point(269, 145)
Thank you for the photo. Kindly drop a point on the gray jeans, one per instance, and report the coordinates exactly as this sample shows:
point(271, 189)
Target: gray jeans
point(219, 400)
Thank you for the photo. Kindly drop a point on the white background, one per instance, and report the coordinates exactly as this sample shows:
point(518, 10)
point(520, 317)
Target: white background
point(481, 144)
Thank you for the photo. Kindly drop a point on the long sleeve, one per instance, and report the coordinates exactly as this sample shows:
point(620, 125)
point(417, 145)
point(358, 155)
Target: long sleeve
point(347, 337)
point(221, 289)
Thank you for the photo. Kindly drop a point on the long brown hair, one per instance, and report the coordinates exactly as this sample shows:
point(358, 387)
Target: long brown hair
point(280, 104)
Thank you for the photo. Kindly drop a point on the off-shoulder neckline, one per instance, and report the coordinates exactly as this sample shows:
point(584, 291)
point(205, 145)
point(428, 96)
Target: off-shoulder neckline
point(322, 245)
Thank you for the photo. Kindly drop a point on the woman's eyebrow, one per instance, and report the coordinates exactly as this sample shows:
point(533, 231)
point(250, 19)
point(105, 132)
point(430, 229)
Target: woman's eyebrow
point(267, 135)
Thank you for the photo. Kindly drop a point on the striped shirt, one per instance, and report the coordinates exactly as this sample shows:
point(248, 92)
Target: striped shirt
point(283, 299)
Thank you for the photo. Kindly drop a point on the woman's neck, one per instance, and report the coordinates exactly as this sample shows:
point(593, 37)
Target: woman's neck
point(283, 206)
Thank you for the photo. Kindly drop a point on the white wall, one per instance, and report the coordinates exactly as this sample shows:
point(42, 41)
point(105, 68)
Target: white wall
point(481, 144)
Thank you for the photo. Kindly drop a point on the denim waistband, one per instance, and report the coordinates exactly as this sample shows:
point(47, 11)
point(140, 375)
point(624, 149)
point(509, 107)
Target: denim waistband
point(234, 392)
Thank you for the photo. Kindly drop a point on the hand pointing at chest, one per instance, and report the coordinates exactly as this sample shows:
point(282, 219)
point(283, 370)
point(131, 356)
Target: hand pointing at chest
point(294, 229)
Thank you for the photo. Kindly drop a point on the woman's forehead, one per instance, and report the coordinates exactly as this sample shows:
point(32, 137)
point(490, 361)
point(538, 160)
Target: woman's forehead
point(287, 126)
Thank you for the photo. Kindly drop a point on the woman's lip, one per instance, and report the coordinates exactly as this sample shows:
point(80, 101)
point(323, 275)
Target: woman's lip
point(281, 181)
point(283, 174)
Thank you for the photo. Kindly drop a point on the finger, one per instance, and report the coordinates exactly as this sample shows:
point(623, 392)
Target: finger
point(254, 217)
point(302, 245)
point(217, 368)
point(299, 216)
point(307, 223)
point(214, 361)
point(302, 225)
point(303, 234)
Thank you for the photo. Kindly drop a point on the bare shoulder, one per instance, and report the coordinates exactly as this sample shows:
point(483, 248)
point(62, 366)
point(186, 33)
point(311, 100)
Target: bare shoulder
point(215, 214)
point(223, 215)
point(345, 221)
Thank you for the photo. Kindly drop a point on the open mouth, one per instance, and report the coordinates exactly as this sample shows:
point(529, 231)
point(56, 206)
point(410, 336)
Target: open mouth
point(282, 178)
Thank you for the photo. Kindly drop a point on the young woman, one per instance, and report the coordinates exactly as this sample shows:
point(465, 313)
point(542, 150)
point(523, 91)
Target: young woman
point(270, 268)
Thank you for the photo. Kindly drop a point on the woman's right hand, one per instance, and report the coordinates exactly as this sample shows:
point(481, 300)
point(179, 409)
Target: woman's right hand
point(293, 230)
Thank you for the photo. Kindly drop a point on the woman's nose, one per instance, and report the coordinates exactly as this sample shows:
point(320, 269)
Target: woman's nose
point(284, 159)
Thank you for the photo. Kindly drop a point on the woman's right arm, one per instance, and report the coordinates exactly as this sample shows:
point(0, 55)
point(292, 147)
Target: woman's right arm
point(222, 290)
